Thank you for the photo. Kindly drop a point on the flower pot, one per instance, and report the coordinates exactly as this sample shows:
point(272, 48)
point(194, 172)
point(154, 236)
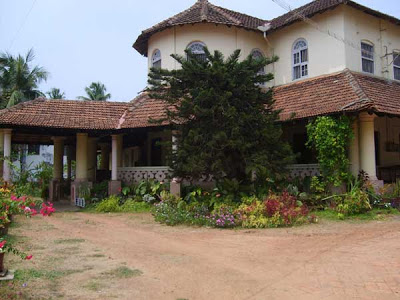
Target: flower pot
point(1, 262)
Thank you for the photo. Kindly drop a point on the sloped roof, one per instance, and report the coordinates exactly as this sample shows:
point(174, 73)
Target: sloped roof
point(201, 12)
point(70, 114)
point(320, 6)
point(341, 92)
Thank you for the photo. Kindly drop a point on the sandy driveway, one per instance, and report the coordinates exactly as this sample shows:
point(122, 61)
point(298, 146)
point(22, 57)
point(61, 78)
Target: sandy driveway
point(325, 261)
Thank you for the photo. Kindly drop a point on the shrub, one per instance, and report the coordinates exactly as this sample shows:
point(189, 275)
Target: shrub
point(354, 202)
point(132, 206)
point(110, 204)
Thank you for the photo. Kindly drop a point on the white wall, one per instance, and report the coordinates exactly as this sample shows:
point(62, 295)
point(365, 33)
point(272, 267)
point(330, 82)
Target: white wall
point(384, 35)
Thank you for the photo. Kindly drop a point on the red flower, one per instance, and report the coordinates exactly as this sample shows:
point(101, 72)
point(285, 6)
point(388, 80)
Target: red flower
point(2, 244)
point(28, 257)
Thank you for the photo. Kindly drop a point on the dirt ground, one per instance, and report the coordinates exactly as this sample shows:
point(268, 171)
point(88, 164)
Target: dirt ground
point(129, 256)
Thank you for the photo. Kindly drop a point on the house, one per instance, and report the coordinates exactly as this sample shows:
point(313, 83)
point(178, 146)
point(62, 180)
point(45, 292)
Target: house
point(336, 57)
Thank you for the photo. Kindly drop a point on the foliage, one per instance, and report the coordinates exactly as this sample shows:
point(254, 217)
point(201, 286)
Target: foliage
point(113, 204)
point(43, 174)
point(100, 190)
point(133, 206)
point(224, 118)
point(7, 247)
point(96, 92)
point(330, 137)
point(19, 80)
point(56, 93)
point(110, 204)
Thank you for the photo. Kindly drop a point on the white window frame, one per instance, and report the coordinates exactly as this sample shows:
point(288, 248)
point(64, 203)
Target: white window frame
point(196, 51)
point(396, 53)
point(258, 53)
point(365, 57)
point(156, 58)
point(299, 63)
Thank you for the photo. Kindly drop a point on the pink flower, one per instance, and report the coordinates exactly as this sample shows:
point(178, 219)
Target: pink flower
point(28, 257)
point(2, 244)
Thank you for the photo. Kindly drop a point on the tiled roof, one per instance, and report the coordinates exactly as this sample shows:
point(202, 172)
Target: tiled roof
point(341, 92)
point(201, 12)
point(320, 6)
point(71, 114)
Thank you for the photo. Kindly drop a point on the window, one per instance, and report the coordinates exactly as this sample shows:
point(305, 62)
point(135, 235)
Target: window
point(156, 59)
point(197, 48)
point(33, 149)
point(396, 65)
point(300, 59)
point(367, 56)
point(257, 54)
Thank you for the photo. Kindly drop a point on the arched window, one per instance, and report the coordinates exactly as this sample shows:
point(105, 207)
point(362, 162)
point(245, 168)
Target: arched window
point(197, 48)
point(156, 59)
point(396, 64)
point(300, 59)
point(367, 57)
point(257, 54)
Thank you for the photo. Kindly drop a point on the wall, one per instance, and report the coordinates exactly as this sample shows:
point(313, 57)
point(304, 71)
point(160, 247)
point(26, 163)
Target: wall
point(216, 37)
point(384, 35)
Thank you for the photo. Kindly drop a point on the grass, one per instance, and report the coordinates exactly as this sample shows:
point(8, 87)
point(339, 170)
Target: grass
point(374, 214)
point(69, 241)
point(93, 286)
point(123, 272)
point(27, 274)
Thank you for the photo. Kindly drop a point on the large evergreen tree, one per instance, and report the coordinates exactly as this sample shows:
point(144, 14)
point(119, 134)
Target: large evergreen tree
point(227, 127)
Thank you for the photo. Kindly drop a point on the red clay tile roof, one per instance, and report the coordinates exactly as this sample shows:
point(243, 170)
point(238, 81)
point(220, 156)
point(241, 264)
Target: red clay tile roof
point(201, 12)
point(342, 92)
point(337, 93)
point(71, 114)
point(320, 6)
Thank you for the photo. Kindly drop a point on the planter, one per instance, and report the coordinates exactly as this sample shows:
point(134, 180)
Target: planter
point(2, 262)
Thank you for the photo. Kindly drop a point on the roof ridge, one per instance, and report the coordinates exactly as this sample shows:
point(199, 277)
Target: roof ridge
point(204, 10)
point(226, 15)
point(358, 89)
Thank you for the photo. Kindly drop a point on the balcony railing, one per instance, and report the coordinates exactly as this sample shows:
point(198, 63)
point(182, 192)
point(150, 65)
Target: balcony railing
point(304, 170)
point(137, 174)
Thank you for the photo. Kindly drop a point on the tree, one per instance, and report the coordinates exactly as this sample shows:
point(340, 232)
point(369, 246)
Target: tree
point(96, 92)
point(225, 118)
point(56, 93)
point(18, 79)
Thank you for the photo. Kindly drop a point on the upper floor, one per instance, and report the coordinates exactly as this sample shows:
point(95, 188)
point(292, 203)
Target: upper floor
point(319, 38)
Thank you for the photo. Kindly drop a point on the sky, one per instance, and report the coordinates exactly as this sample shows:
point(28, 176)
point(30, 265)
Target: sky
point(81, 41)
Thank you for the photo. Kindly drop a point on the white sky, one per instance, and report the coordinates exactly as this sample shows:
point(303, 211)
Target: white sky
point(81, 41)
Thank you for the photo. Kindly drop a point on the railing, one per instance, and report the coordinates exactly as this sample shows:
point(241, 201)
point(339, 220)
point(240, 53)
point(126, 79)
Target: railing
point(137, 174)
point(304, 170)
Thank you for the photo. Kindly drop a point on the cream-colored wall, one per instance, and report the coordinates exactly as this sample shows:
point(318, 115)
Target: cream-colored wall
point(389, 131)
point(326, 54)
point(384, 35)
point(223, 38)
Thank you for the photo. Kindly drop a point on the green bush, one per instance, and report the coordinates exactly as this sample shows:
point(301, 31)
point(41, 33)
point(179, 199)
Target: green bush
point(110, 204)
point(132, 206)
point(353, 203)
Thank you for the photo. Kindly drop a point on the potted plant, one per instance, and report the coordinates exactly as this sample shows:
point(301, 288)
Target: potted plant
point(7, 247)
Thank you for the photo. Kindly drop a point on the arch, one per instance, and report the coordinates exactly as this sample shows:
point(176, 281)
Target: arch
point(300, 59)
point(156, 59)
point(396, 64)
point(197, 49)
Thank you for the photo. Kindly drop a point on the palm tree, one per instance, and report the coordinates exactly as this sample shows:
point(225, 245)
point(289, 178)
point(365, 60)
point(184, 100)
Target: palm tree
point(55, 93)
point(96, 92)
point(18, 79)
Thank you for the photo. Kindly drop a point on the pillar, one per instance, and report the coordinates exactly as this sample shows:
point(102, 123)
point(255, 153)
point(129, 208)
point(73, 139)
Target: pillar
point(175, 185)
point(81, 156)
point(354, 151)
point(114, 186)
point(92, 159)
point(105, 157)
point(7, 155)
point(367, 145)
point(1, 150)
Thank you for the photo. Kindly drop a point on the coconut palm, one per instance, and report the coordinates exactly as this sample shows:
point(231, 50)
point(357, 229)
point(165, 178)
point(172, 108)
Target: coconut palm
point(96, 92)
point(56, 93)
point(19, 80)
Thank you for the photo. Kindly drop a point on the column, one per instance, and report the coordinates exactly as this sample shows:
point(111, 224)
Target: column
point(92, 159)
point(114, 158)
point(367, 145)
point(114, 186)
point(81, 156)
point(175, 185)
point(354, 151)
point(7, 155)
point(105, 157)
point(58, 163)
point(1, 150)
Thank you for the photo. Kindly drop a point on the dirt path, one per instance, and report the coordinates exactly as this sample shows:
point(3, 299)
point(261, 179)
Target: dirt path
point(325, 261)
